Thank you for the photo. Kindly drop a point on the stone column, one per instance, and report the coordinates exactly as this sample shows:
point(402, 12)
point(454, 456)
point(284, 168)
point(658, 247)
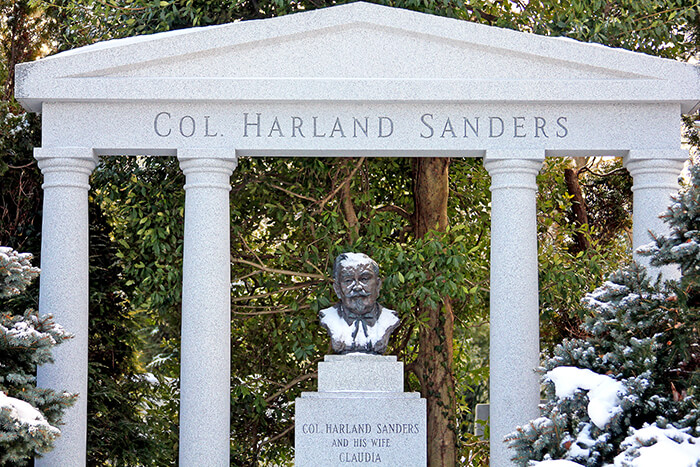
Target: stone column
point(64, 289)
point(655, 179)
point(206, 310)
point(514, 341)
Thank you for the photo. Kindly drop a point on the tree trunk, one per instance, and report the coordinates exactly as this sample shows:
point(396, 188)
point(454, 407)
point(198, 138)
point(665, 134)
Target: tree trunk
point(435, 356)
point(578, 208)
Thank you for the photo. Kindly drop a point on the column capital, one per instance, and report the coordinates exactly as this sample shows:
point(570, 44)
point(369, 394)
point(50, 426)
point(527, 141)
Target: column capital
point(202, 172)
point(493, 155)
point(634, 155)
point(655, 173)
point(226, 154)
point(66, 167)
point(513, 173)
point(206, 164)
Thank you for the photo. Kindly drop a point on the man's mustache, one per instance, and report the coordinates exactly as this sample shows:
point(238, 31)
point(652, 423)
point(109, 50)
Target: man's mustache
point(358, 293)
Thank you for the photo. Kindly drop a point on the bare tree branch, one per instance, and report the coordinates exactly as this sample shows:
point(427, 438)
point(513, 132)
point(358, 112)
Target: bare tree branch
point(349, 212)
point(291, 384)
point(607, 174)
point(397, 210)
point(280, 290)
point(297, 195)
point(249, 248)
point(278, 436)
point(266, 312)
point(347, 179)
point(285, 272)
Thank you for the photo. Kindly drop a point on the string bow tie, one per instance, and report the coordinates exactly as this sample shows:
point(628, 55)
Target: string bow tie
point(368, 319)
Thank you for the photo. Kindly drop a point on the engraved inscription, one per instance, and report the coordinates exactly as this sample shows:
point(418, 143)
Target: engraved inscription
point(434, 126)
point(426, 126)
point(360, 443)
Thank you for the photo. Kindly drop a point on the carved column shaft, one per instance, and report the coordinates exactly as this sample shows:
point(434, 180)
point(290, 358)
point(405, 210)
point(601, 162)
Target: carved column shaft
point(514, 348)
point(64, 289)
point(206, 314)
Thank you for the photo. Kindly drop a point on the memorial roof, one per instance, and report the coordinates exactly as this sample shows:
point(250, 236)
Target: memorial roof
point(352, 53)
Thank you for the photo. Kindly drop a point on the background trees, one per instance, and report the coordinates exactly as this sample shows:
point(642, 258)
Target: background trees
point(290, 217)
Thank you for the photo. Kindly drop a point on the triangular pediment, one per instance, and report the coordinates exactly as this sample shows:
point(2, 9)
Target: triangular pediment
point(365, 51)
point(356, 51)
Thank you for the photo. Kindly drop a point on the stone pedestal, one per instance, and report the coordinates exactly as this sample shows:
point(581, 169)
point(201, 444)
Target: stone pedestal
point(360, 416)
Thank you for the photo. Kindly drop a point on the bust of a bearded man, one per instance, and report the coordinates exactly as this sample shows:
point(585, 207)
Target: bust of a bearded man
point(358, 323)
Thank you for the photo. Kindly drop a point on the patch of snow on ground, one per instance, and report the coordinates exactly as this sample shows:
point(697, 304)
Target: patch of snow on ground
point(603, 391)
point(671, 447)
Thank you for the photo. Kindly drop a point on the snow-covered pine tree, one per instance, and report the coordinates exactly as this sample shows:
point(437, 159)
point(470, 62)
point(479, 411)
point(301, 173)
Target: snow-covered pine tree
point(628, 392)
point(29, 416)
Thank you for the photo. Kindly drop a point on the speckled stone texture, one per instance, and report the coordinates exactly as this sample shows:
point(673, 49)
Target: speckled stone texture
point(64, 290)
point(655, 180)
point(205, 368)
point(360, 372)
point(357, 420)
point(514, 350)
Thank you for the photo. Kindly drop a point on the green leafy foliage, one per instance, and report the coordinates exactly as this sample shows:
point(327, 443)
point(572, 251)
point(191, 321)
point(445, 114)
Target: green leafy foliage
point(121, 430)
point(565, 273)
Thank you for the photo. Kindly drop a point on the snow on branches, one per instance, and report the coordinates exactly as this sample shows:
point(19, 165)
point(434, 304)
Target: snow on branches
point(29, 416)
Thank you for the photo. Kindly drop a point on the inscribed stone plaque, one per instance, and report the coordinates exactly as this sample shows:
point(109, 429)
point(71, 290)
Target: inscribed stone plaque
point(360, 418)
point(357, 430)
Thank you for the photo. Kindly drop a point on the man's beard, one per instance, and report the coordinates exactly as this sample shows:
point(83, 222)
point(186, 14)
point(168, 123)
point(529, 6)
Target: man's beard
point(359, 304)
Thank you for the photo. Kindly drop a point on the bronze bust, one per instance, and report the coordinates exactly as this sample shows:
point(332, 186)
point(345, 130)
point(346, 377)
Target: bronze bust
point(358, 323)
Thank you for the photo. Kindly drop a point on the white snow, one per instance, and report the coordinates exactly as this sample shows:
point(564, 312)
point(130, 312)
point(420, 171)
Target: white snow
point(113, 43)
point(581, 448)
point(341, 331)
point(690, 247)
point(353, 260)
point(671, 447)
point(555, 463)
point(647, 248)
point(23, 330)
point(603, 391)
point(24, 413)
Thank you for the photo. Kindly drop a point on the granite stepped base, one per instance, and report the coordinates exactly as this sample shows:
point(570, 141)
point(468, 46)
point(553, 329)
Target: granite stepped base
point(360, 416)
